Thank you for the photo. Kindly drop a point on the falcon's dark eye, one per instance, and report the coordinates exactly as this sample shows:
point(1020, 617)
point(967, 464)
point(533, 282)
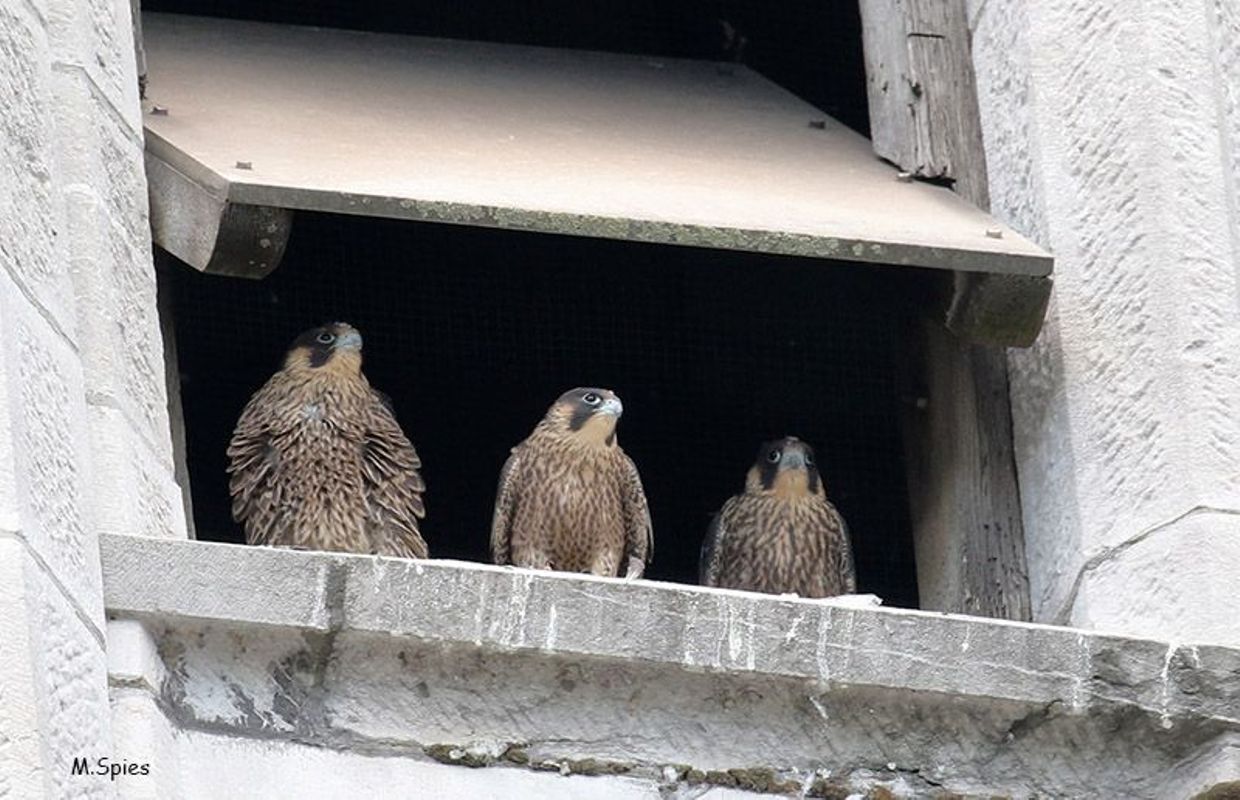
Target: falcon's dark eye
point(774, 456)
point(591, 398)
point(809, 459)
point(326, 338)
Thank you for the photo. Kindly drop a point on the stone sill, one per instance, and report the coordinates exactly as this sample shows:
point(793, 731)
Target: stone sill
point(785, 685)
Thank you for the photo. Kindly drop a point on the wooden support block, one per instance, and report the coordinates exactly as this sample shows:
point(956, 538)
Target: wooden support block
point(964, 501)
point(963, 493)
point(195, 222)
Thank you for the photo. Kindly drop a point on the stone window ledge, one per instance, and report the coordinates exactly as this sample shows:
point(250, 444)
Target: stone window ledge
point(650, 685)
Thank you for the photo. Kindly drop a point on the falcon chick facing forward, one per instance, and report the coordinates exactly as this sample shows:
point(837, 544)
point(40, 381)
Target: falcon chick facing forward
point(569, 498)
point(318, 461)
point(781, 535)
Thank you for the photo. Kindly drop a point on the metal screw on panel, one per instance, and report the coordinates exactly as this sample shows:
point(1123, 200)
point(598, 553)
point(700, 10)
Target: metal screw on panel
point(245, 165)
point(994, 233)
point(818, 124)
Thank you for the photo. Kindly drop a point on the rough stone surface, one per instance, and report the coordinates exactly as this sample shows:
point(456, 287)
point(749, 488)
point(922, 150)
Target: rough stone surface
point(95, 38)
point(1111, 138)
point(31, 219)
point(76, 417)
point(141, 731)
point(97, 151)
point(144, 737)
point(668, 685)
point(133, 656)
point(134, 491)
point(53, 685)
point(122, 350)
point(1133, 583)
point(43, 431)
point(21, 763)
point(71, 683)
point(1216, 775)
point(221, 766)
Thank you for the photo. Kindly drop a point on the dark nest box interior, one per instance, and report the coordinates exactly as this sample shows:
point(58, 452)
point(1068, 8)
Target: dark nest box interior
point(473, 332)
point(473, 328)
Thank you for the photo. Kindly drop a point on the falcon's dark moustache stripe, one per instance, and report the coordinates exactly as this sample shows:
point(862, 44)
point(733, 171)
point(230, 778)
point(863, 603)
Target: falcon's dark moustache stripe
point(320, 354)
point(768, 472)
point(581, 415)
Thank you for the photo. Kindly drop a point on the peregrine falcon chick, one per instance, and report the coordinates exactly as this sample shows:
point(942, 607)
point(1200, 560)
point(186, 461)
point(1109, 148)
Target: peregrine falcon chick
point(569, 498)
point(318, 461)
point(781, 535)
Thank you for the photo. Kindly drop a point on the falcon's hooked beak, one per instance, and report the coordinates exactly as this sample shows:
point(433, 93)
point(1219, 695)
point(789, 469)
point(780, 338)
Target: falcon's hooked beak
point(793, 458)
point(613, 406)
point(350, 340)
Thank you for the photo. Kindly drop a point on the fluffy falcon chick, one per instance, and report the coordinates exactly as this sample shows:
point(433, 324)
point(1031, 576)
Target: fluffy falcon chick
point(781, 535)
point(569, 498)
point(318, 461)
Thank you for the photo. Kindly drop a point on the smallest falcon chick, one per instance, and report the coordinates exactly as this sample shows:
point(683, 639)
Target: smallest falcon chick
point(781, 535)
point(569, 498)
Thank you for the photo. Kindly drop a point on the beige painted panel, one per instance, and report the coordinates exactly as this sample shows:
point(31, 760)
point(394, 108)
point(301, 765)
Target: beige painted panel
point(593, 144)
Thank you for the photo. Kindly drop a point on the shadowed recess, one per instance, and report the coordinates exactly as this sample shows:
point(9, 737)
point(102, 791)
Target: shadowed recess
point(474, 332)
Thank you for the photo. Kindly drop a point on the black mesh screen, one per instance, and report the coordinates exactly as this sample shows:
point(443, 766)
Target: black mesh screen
point(811, 47)
point(473, 332)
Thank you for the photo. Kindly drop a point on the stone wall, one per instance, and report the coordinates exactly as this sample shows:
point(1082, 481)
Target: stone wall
point(84, 446)
point(1112, 134)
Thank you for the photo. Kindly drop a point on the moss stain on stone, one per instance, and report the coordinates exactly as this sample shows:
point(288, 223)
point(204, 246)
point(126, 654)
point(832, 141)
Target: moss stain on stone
point(829, 789)
point(594, 766)
point(763, 779)
point(694, 776)
point(760, 780)
point(456, 755)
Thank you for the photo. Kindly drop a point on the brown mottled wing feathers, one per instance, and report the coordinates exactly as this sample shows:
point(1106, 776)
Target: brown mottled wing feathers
point(505, 500)
point(638, 530)
point(844, 557)
point(712, 551)
point(253, 462)
point(392, 484)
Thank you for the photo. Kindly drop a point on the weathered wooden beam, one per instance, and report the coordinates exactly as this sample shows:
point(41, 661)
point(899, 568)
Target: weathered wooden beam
point(963, 493)
point(139, 47)
point(924, 118)
point(997, 310)
point(968, 535)
point(198, 224)
point(920, 77)
point(172, 383)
